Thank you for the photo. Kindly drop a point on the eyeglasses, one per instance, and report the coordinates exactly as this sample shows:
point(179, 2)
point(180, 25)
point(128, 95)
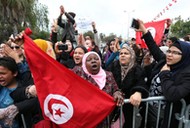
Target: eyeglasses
point(173, 52)
point(16, 47)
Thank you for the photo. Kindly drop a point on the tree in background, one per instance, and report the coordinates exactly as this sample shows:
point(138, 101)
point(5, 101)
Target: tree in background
point(104, 39)
point(180, 27)
point(19, 14)
point(89, 33)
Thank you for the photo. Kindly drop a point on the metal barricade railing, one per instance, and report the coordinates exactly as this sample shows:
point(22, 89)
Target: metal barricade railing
point(186, 119)
point(183, 117)
point(180, 116)
point(23, 121)
point(158, 98)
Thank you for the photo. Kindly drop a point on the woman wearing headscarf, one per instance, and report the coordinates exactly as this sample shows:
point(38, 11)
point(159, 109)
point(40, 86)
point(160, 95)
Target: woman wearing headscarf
point(45, 46)
point(128, 76)
point(172, 73)
point(92, 71)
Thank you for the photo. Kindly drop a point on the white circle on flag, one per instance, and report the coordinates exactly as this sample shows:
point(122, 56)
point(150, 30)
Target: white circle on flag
point(152, 30)
point(61, 112)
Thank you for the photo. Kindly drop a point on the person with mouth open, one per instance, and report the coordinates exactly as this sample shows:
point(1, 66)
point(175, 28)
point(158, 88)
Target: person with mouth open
point(92, 71)
point(78, 54)
point(170, 75)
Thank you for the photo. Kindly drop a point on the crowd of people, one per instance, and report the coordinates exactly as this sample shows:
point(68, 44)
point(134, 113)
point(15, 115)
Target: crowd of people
point(123, 70)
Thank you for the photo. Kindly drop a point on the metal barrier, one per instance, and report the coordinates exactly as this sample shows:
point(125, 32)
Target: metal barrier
point(183, 117)
point(186, 119)
point(23, 121)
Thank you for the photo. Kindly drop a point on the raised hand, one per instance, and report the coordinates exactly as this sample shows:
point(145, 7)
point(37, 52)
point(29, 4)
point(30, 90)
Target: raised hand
point(62, 10)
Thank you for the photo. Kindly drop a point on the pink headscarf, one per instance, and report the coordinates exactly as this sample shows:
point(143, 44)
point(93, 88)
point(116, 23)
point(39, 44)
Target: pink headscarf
point(100, 77)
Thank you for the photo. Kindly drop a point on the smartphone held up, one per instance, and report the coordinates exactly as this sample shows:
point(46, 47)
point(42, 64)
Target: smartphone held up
point(135, 24)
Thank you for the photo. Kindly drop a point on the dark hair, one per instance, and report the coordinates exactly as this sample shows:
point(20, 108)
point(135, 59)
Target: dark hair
point(133, 39)
point(72, 14)
point(173, 39)
point(89, 37)
point(9, 63)
point(82, 47)
point(109, 43)
point(96, 48)
point(186, 38)
point(177, 45)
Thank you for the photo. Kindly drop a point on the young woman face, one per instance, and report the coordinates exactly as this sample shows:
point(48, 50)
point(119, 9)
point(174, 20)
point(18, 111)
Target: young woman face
point(124, 57)
point(77, 56)
point(88, 44)
point(168, 43)
point(93, 64)
point(112, 46)
point(173, 55)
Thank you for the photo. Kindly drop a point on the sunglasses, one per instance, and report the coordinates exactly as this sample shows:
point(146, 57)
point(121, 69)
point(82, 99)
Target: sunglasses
point(16, 47)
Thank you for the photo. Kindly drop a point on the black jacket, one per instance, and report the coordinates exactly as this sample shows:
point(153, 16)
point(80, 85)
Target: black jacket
point(132, 82)
point(69, 31)
point(29, 107)
point(174, 86)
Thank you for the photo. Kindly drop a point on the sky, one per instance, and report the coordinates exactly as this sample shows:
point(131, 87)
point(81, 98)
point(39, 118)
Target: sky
point(114, 16)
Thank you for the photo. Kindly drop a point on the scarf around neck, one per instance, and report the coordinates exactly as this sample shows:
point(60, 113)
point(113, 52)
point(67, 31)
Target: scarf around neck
point(100, 77)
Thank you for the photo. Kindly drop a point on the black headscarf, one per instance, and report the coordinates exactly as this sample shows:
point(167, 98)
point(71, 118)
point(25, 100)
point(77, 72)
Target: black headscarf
point(185, 60)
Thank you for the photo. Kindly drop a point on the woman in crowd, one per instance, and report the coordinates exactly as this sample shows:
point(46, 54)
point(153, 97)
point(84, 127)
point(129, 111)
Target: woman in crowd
point(170, 76)
point(45, 46)
point(139, 53)
point(128, 76)
point(91, 46)
point(170, 41)
point(110, 45)
point(78, 54)
point(92, 71)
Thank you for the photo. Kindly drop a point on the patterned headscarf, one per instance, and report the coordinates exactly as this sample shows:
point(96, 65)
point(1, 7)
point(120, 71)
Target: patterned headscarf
point(100, 77)
point(125, 68)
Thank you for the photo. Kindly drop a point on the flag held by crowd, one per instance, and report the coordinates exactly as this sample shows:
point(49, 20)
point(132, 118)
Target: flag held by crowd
point(156, 29)
point(67, 100)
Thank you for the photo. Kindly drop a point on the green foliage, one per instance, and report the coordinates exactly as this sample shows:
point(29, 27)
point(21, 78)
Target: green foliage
point(42, 20)
point(102, 36)
point(89, 33)
point(107, 38)
point(41, 35)
point(180, 28)
point(16, 15)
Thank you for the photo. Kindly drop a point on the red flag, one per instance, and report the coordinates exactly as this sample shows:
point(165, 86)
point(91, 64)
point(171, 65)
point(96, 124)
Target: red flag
point(65, 98)
point(156, 29)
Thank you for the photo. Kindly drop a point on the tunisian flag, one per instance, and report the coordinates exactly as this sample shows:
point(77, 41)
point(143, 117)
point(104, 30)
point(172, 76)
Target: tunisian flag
point(67, 100)
point(156, 29)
